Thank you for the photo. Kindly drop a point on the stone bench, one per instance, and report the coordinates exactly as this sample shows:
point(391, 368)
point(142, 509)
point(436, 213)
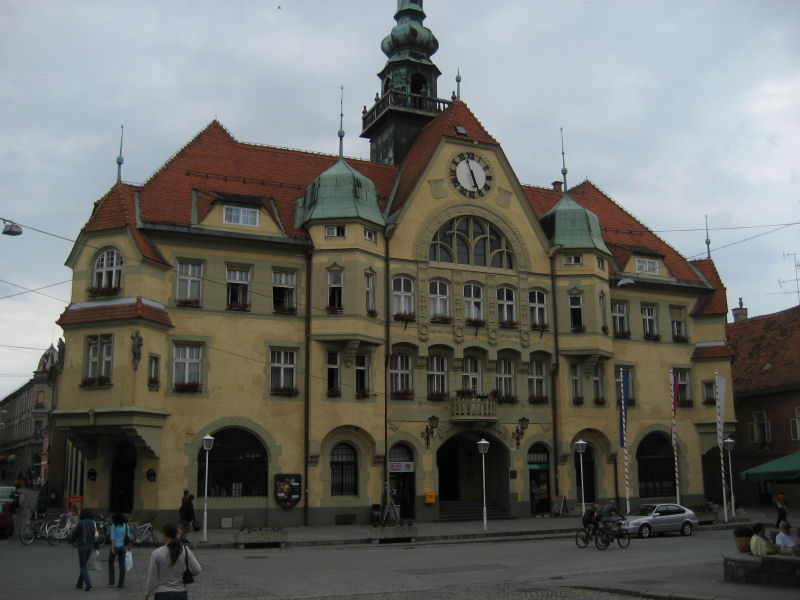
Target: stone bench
point(775, 569)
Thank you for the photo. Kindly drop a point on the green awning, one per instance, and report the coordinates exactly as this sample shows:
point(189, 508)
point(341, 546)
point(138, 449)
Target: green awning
point(786, 468)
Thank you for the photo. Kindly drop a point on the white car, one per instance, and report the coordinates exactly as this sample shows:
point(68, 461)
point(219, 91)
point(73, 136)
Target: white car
point(661, 518)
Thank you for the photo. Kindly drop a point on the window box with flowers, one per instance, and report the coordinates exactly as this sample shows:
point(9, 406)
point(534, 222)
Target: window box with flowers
point(578, 400)
point(99, 382)
point(437, 396)
point(503, 398)
point(631, 402)
point(285, 310)
point(465, 393)
point(578, 329)
point(604, 329)
point(600, 401)
point(405, 317)
point(152, 383)
point(96, 291)
point(188, 302)
point(537, 399)
point(625, 335)
point(441, 319)
point(475, 323)
point(362, 394)
point(334, 392)
point(238, 306)
point(372, 313)
point(188, 387)
point(540, 327)
point(508, 324)
point(403, 394)
point(284, 391)
point(685, 403)
point(333, 310)
point(652, 337)
point(680, 339)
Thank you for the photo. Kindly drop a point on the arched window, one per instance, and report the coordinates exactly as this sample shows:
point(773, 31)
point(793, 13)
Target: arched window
point(344, 471)
point(471, 241)
point(400, 453)
point(237, 465)
point(656, 469)
point(107, 270)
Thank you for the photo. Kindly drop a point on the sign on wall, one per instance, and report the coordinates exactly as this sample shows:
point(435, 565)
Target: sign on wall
point(287, 489)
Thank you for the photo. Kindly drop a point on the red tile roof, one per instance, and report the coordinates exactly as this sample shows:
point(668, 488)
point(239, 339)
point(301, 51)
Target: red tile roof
point(765, 352)
point(115, 310)
point(716, 302)
point(721, 351)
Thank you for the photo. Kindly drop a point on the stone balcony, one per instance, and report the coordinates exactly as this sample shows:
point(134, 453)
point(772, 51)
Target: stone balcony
point(480, 408)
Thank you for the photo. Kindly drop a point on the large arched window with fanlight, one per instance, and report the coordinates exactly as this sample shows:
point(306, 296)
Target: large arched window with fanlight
point(237, 465)
point(471, 240)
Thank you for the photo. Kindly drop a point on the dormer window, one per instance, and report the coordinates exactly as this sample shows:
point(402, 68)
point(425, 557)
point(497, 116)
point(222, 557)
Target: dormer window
point(334, 231)
point(240, 215)
point(107, 273)
point(647, 265)
point(573, 259)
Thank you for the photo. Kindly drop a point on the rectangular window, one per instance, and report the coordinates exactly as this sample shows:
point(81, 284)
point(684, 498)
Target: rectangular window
point(283, 292)
point(471, 374)
point(369, 292)
point(618, 384)
point(601, 264)
point(282, 370)
point(99, 355)
point(190, 283)
point(153, 370)
point(537, 303)
point(400, 373)
point(438, 299)
point(649, 320)
point(619, 318)
point(647, 265)
point(437, 374)
point(362, 376)
point(575, 382)
point(505, 305)
point(573, 259)
point(794, 425)
point(188, 363)
point(335, 231)
point(709, 395)
point(335, 290)
point(504, 378)
point(238, 288)
point(760, 428)
point(369, 234)
point(684, 387)
point(598, 384)
point(576, 312)
point(402, 296)
point(240, 215)
point(537, 380)
point(601, 302)
point(678, 321)
point(473, 305)
point(333, 374)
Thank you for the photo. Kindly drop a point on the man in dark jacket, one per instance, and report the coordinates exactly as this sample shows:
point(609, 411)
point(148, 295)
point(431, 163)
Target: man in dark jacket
point(83, 537)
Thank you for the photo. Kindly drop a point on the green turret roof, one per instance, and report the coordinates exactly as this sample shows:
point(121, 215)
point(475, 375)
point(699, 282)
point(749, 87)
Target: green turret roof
point(339, 192)
point(571, 226)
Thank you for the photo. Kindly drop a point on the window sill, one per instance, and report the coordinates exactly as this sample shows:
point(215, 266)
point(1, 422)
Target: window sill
point(239, 307)
point(652, 337)
point(284, 392)
point(188, 303)
point(284, 311)
point(98, 292)
point(187, 388)
point(96, 386)
point(508, 324)
point(537, 399)
point(404, 395)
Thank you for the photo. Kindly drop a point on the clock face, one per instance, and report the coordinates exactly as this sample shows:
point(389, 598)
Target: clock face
point(470, 175)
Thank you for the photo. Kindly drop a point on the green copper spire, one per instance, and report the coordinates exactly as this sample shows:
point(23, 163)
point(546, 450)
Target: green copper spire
point(120, 160)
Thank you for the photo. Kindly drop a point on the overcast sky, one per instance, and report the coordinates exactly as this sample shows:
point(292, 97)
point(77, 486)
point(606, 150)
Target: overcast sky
point(677, 110)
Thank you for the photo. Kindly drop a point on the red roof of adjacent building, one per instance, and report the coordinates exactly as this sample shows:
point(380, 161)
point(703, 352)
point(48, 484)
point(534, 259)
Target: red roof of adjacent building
point(765, 352)
point(115, 310)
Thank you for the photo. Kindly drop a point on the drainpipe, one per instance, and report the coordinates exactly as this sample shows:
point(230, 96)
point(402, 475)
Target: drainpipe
point(554, 371)
point(387, 384)
point(307, 398)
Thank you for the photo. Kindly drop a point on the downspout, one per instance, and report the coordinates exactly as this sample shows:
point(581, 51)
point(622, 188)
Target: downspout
point(554, 372)
point(307, 378)
point(387, 384)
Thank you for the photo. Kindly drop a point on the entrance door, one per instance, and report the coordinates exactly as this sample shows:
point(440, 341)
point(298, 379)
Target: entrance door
point(539, 471)
point(123, 470)
point(588, 475)
point(401, 479)
point(460, 467)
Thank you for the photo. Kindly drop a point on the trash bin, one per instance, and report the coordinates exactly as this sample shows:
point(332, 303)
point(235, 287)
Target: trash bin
point(430, 497)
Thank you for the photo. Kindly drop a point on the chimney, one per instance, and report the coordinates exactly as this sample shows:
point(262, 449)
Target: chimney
point(739, 314)
point(557, 186)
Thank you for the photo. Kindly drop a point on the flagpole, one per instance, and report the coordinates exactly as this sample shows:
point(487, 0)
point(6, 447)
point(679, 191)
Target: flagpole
point(720, 425)
point(674, 398)
point(623, 407)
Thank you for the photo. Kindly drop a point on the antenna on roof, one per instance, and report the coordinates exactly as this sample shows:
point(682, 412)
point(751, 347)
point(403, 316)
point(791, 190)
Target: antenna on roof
point(563, 162)
point(458, 83)
point(708, 241)
point(341, 116)
point(120, 160)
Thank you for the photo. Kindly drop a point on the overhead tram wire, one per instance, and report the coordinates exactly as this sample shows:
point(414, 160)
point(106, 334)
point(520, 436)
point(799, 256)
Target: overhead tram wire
point(700, 255)
point(34, 291)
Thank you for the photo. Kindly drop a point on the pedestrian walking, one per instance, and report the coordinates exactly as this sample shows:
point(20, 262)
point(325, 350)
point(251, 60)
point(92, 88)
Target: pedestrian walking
point(187, 517)
point(120, 536)
point(83, 536)
point(782, 507)
point(165, 573)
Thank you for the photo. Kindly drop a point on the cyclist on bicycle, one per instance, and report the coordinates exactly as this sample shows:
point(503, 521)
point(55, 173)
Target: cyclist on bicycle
point(609, 510)
point(589, 523)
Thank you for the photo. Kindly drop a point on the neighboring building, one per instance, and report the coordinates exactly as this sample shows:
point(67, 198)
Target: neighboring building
point(766, 393)
point(24, 433)
point(311, 312)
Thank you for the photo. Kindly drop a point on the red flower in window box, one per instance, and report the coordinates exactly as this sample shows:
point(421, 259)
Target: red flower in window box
point(508, 324)
point(437, 396)
point(475, 323)
point(579, 329)
point(403, 394)
point(604, 329)
point(599, 401)
point(189, 387)
point(441, 319)
point(652, 337)
point(680, 339)
point(540, 327)
point(503, 398)
point(465, 393)
point(407, 317)
point(238, 306)
point(361, 394)
point(333, 310)
point(334, 392)
point(284, 391)
point(622, 334)
point(285, 310)
point(578, 400)
point(536, 399)
point(372, 313)
point(103, 291)
point(188, 302)
point(685, 403)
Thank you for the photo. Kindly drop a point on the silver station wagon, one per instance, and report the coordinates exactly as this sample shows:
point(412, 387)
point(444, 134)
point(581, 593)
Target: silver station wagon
point(661, 518)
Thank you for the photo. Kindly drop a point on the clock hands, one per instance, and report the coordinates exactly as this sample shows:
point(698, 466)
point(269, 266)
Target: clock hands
point(472, 174)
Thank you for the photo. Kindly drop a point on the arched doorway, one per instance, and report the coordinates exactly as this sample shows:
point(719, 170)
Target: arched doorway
point(460, 472)
point(656, 467)
point(123, 470)
point(401, 478)
point(539, 473)
point(237, 465)
point(588, 494)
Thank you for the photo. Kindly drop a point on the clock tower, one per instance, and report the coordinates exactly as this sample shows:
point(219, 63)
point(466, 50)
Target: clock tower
point(407, 100)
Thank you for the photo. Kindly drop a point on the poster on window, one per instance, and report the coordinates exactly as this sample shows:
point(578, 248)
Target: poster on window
point(287, 490)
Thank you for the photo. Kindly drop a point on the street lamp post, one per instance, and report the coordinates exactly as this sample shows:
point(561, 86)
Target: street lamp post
point(208, 443)
point(483, 448)
point(580, 448)
point(728, 444)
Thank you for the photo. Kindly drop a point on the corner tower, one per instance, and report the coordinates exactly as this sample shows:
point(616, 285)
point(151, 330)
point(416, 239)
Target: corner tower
point(407, 100)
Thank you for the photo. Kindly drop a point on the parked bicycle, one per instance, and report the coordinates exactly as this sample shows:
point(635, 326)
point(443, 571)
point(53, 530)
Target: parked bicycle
point(142, 532)
point(35, 529)
point(60, 529)
point(607, 534)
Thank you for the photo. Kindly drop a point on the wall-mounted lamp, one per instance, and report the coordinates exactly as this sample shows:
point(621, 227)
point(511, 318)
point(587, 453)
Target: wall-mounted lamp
point(11, 228)
point(151, 474)
point(519, 432)
point(91, 475)
point(427, 433)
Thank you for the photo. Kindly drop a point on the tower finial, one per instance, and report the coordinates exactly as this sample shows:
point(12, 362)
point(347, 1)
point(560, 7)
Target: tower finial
point(458, 84)
point(341, 116)
point(563, 162)
point(120, 160)
point(708, 241)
